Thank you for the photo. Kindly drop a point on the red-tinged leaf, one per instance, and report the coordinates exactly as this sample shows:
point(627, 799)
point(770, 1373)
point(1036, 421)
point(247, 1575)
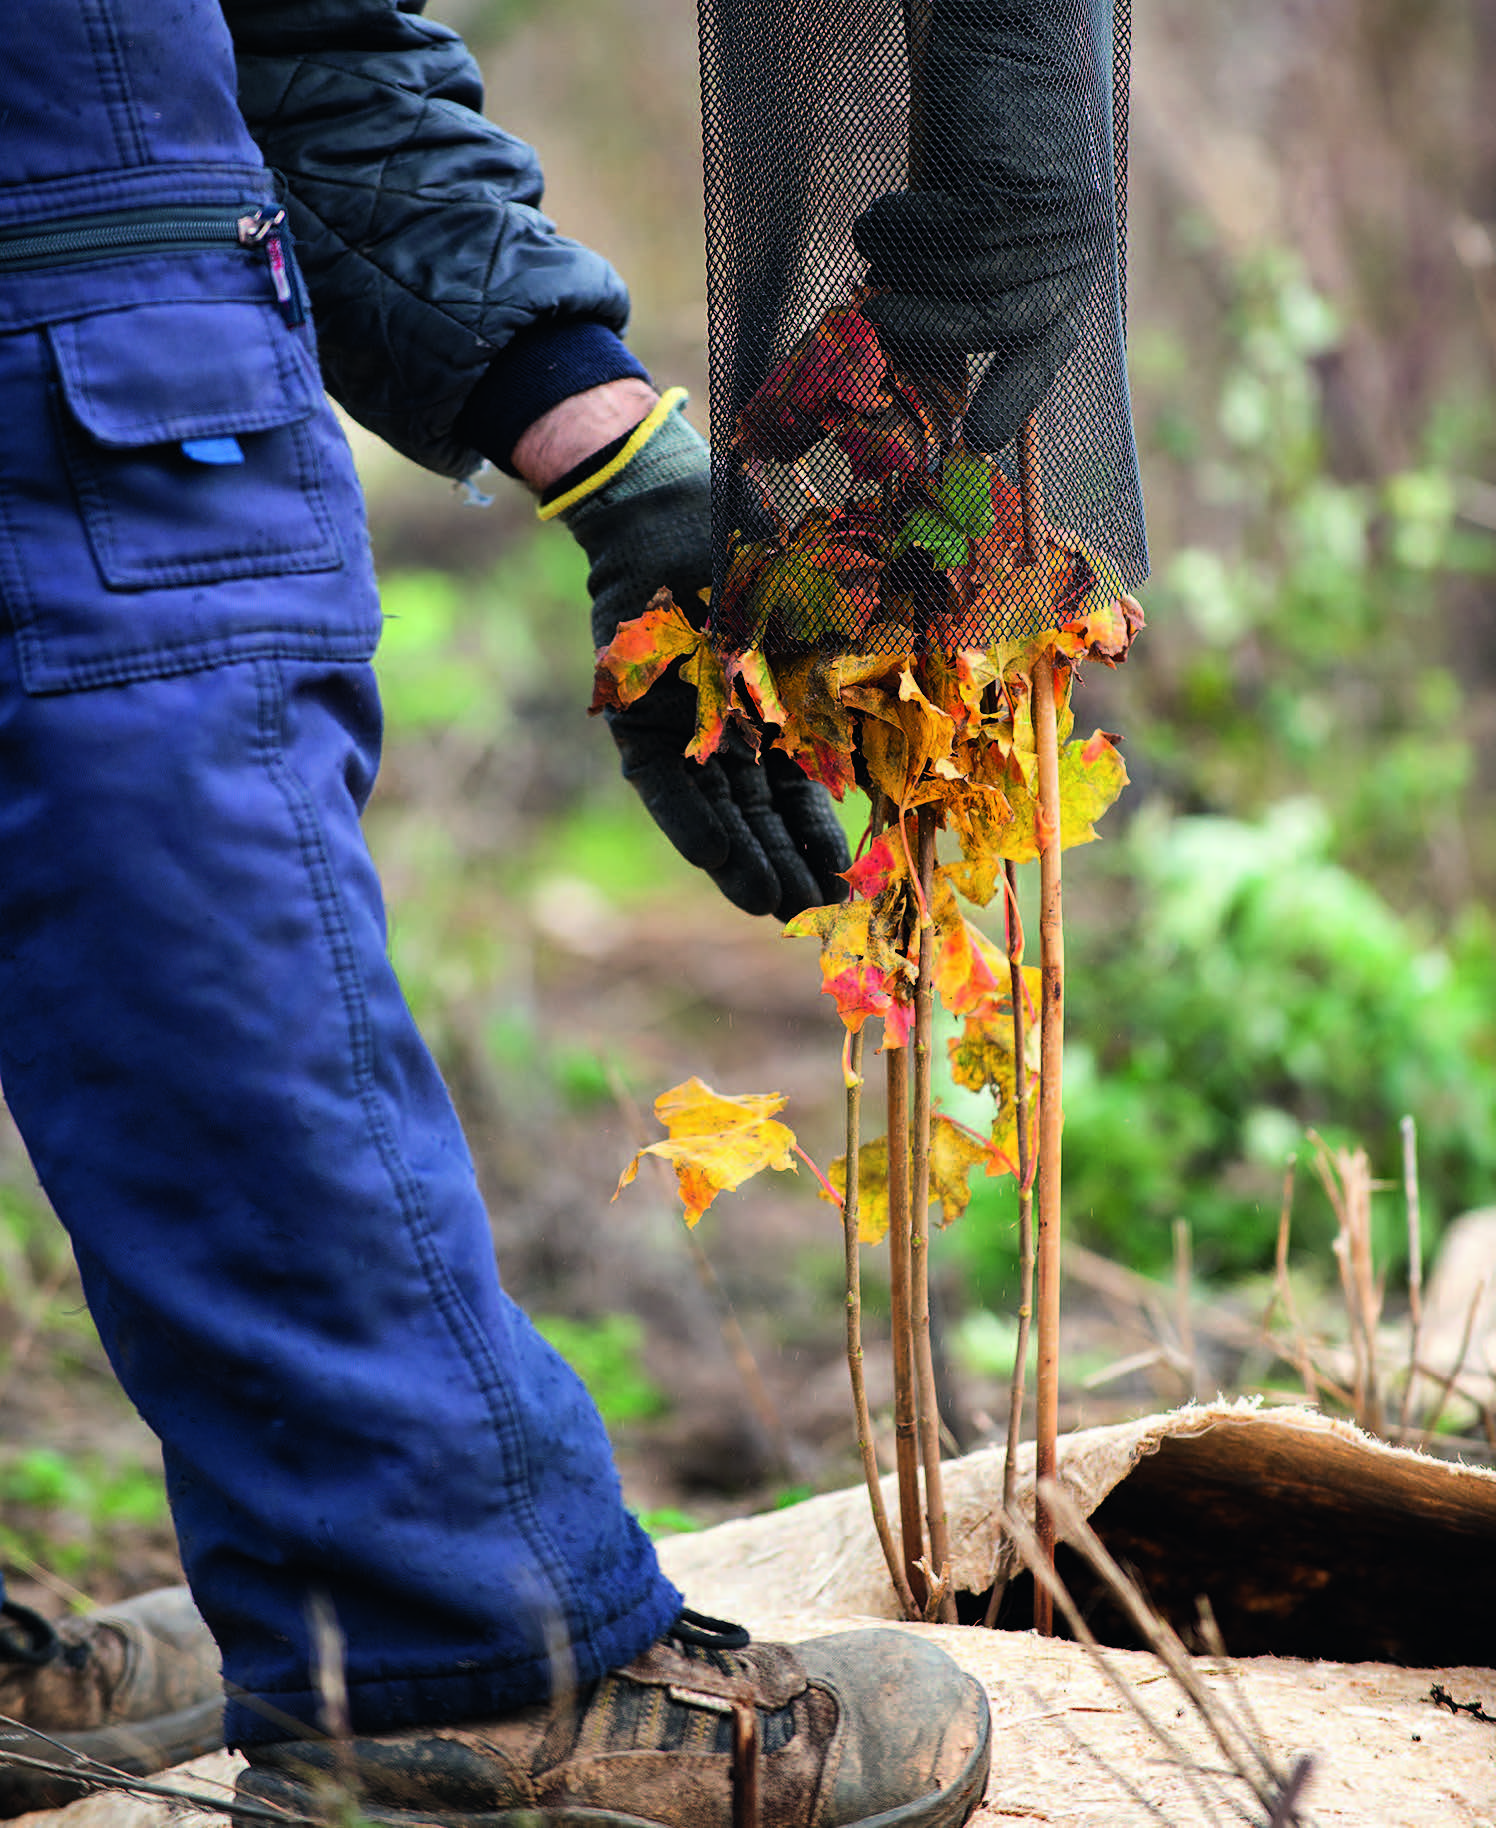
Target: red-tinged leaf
point(703, 670)
point(831, 767)
point(888, 445)
point(837, 370)
point(880, 865)
point(1007, 511)
point(860, 966)
point(957, 683)
point(640, 652)
point(898, 1025)
point(860, 991)
point(715, 1142)
point(818, 734)
point(736, 611)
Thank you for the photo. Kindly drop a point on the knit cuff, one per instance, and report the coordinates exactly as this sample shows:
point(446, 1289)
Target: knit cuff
point(537, 370)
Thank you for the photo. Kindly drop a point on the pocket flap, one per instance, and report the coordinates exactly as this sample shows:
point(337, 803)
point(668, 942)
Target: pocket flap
point(155, 374)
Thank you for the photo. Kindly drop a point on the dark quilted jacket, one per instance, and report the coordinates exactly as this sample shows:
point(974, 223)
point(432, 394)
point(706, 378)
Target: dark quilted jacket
point(418, 222)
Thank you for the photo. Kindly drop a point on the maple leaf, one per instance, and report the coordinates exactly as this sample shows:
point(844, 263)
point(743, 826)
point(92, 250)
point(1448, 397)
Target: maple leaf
point(861, 966)
point(716, 1142)
point(1092, 774)
point(969, 972)
point(957, 682)
point(1105, 631)
point(640, 651)
point(818, 732)
point(881, 865)
point(752, 667)
point(703, 670)
point(906, 736)
point(836, 370)
point(890, 444)
point(954, 1152)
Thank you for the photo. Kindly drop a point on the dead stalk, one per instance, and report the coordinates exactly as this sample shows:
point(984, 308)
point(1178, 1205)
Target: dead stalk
point(1298, 1346)
point(905, 1405)
point(1183, 1277)
point(1240, 1748)
point(1014, 930)
point(919, 1217)
point(854, 1333)
point(1415, 1261)
point(1447, 1382)
point(1041, 1568)
point(1345, 1175)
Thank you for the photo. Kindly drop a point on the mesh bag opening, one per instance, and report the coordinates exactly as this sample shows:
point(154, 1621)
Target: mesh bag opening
point(916, 218)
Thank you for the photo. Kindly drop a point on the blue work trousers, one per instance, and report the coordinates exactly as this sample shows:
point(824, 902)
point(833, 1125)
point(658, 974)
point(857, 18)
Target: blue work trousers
point(209, 1057)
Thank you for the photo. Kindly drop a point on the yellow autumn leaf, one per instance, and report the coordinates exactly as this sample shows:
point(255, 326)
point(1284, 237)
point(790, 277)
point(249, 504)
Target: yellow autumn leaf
point(716, 1142)
point(703, 669)
point(1092, 774)
point(954, 1152)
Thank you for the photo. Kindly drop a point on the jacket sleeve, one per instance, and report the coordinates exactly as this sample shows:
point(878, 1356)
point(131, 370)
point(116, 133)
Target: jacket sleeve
point(418, 223)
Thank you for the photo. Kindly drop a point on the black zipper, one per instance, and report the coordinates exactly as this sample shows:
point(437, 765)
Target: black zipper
point(259, 229)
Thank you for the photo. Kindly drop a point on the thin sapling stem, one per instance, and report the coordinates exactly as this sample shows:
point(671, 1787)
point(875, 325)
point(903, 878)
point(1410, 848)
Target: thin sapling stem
point(905, 1401)
point(1051, 1028)
point(919, 1215)
point(854, 1331)
point(1014, 927)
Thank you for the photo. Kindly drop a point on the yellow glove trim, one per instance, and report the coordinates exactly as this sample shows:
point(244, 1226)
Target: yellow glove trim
point(641, 435)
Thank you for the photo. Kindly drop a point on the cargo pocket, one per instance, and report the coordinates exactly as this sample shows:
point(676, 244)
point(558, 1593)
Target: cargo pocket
point(188, 444)
point(187, 498)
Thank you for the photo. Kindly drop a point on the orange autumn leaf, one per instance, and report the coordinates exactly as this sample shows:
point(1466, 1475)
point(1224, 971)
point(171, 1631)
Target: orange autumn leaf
point(969, 971)
point(640, 652)
point(716, 1142)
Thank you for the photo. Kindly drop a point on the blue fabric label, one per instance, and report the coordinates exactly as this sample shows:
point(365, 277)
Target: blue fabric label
point(213, 450)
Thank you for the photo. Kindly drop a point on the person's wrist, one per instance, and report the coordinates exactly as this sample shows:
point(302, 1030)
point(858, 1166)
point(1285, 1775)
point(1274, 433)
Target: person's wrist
point(578, 427)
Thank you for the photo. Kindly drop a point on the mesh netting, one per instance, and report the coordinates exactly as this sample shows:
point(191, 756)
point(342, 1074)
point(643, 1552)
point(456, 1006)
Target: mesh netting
point(915, 223)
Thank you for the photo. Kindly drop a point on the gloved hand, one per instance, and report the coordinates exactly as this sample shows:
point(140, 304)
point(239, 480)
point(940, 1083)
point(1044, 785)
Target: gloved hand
point(768, 837)
point(1005, 239)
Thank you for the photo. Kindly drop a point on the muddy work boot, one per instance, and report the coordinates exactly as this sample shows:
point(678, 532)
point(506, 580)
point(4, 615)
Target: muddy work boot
point(134, 1686)
point(876, 1728)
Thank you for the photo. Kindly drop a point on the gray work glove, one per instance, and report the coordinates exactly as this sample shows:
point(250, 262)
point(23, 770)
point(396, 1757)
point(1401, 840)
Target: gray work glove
point(768, 837)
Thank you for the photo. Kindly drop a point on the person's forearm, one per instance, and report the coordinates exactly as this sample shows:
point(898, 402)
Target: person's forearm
point(569, 433)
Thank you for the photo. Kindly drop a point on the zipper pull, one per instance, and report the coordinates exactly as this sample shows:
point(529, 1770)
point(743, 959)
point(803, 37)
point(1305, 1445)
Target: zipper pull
point(267, 232)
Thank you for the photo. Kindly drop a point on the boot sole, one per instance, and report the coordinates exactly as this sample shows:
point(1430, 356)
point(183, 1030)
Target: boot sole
point(137, 1748)
point(947, 1808)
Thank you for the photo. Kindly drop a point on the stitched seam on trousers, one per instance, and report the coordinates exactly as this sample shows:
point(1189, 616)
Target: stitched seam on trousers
point(462, 1324)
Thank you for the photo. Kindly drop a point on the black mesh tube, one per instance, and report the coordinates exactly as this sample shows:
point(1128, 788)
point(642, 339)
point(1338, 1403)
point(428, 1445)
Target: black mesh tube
point(914, 234)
